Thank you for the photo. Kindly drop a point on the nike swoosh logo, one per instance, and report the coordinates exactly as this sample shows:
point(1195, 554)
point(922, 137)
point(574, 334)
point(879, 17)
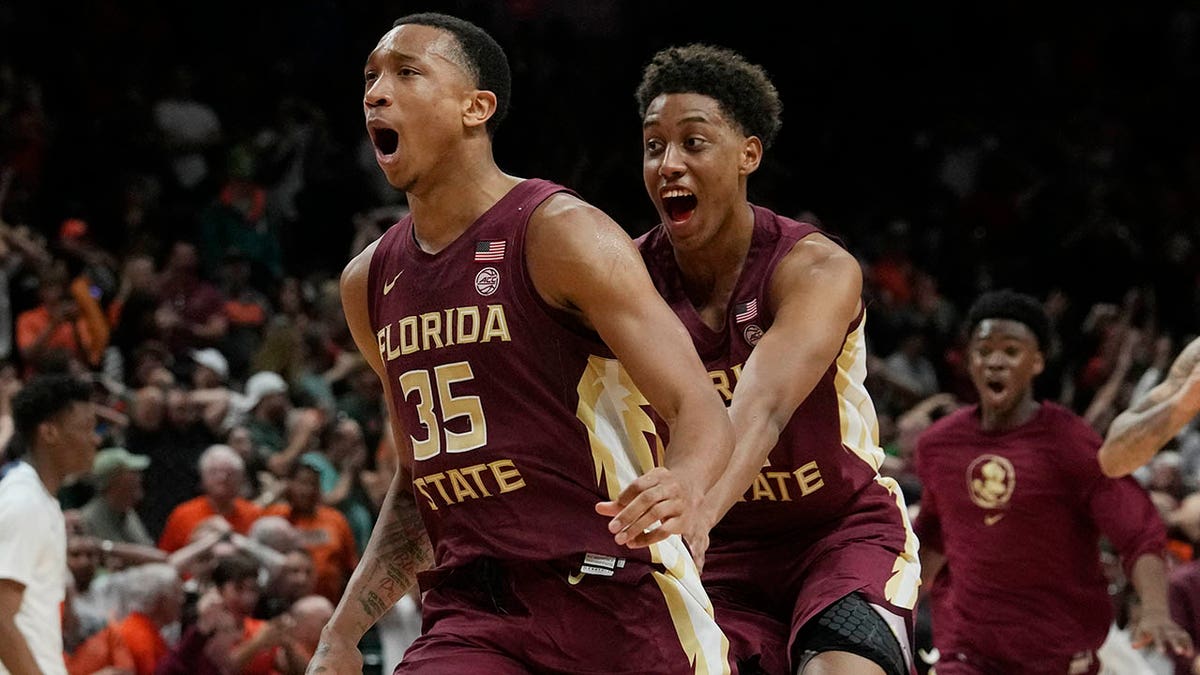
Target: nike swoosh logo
point(992, 519)
point(574, 578)
point(387, 286)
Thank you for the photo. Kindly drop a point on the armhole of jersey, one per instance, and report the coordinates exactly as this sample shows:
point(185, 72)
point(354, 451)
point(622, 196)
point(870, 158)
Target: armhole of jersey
point(530, 298)
point(782, 251)
point(377, 258)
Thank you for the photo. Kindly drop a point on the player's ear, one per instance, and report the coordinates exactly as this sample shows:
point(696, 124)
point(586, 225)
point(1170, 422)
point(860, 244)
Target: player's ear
point(1039, 363)
point(479, 108)
point(752, 152)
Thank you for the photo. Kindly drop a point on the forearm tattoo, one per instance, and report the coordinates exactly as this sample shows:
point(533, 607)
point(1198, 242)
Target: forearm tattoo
point(399, 548)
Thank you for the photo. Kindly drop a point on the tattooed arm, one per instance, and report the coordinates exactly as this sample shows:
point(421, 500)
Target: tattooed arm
point(399, 547)
point(1142, 430)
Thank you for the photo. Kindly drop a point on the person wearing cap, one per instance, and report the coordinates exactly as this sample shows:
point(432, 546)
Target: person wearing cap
point(211, 368)
point(278, 441)
point(210, 390)
point(110, 514)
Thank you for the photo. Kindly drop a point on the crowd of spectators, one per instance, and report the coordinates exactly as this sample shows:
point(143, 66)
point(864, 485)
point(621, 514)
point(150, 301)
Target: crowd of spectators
point(172, 229)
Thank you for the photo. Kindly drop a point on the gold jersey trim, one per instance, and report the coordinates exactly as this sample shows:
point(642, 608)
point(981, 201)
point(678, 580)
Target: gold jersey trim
point(625, 444)
point(860, 434)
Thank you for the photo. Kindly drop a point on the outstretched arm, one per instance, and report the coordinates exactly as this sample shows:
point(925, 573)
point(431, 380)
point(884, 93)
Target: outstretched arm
point(399, 547)
point(1142, 430)
point(814, 294)
point(583, 262)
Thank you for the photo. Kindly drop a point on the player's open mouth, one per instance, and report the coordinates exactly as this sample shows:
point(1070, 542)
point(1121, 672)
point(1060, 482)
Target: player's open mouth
point(386, 140)
point(996, 386)
point(679, 204)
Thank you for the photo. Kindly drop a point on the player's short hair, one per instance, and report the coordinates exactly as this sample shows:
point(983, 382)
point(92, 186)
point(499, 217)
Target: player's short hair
point(42, 398)
point(1014, 306)
point(742, 89)
point(482, 57)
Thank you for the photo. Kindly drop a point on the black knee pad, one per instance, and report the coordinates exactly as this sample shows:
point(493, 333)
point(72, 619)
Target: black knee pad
point(851, 625)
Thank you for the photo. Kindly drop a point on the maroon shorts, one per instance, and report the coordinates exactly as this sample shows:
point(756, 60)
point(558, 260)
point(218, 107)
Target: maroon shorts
point(761, 587)
point(541, 617)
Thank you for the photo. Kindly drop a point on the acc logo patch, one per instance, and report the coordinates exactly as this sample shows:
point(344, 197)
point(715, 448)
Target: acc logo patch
point(990, 481)
point(752, 333)
point(487, 281)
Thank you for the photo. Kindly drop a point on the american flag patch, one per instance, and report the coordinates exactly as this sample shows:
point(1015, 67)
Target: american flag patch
point(744, 311)
point(489, 250)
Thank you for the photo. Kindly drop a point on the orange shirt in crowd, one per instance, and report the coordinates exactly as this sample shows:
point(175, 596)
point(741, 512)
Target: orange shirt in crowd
point(102, 650)
point(185, 517)
point(32, 322)
point(327, 535)
point(263, 662)
point(144, 640)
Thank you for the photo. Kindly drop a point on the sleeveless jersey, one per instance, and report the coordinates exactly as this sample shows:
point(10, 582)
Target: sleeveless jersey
point(826, 462)
point(519, 422)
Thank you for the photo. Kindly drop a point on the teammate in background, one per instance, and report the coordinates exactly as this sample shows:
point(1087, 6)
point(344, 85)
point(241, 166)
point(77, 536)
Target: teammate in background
point(1014, 505)
point(812, 565)
point(56, 424)
point(1154, 419)
point(494, 315)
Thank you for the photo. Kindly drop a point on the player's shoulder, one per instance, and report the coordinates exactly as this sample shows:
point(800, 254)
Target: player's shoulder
point(816, 256)
point(566, 210)
point(1063, 420)
point(565, 225)
point(358, 269)
point(806, 249)
point(1070, 441)
point(19, 494)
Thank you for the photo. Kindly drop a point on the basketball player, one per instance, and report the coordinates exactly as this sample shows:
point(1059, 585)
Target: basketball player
point(1014, 505)
point(494, 314)
point(812, 565)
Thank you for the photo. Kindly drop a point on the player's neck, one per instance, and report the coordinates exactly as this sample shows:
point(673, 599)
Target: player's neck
point(712, 269)
point(443, 212)
point(1006, 419)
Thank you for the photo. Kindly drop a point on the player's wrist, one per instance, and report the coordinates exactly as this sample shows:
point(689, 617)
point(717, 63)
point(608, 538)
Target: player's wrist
point(343, 630)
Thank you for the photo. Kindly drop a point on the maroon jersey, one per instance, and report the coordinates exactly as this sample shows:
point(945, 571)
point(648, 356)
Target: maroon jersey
point(519, 422)
point(819, 522)
point(1019, 515)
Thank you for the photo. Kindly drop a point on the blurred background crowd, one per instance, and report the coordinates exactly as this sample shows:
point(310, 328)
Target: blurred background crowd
point(180, 187)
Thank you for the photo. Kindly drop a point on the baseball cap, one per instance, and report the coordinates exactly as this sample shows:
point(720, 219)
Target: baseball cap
point(110, 460)
point(213, 360)
point(260, 385)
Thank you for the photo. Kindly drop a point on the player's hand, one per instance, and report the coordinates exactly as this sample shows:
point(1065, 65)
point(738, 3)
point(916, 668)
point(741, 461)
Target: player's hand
point(1156, 627)
point(335, 655)
point(697, 544)
point(655, 506)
